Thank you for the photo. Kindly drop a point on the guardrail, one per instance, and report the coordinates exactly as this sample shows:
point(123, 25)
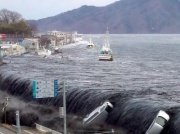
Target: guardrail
point(46, 130)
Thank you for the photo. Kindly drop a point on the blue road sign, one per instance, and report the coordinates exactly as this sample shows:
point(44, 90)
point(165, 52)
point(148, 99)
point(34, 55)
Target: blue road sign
point(43, 89)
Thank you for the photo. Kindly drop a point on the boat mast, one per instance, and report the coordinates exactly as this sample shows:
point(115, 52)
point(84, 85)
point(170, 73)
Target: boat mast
point(107, 37)
point(90, 40)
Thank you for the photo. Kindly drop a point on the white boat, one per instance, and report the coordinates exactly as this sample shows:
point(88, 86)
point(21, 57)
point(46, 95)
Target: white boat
point(44, 52)
point(79, 37)
point(90, 44)
point(106, 52)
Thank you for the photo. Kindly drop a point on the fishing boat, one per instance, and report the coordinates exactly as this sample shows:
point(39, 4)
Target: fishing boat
point(106, 52)
point(90, 43)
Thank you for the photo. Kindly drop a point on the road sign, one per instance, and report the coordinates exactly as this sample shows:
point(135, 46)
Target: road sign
point(2, 36)
point(43, 89)
point(20, 40)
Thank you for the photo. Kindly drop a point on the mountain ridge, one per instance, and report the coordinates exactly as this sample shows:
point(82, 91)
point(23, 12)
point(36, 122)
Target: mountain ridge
point(124, 16)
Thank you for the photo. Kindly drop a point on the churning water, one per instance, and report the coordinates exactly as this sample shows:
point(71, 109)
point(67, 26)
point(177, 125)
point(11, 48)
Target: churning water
point(143, 79)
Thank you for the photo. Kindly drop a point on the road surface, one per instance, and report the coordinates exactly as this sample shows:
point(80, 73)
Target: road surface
point(8, 129)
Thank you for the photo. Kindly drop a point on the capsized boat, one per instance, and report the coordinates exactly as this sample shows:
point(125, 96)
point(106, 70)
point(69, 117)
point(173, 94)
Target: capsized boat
point(106, 52)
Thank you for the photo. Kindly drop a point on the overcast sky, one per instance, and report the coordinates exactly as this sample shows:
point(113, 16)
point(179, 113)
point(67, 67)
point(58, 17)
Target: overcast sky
point(38, 9)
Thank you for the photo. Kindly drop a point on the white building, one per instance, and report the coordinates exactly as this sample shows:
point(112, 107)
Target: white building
point(11, 49)
point(31, 43)
point(57, 33)
point(63, 37)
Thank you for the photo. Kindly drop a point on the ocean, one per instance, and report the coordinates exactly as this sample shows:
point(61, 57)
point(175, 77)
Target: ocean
point(143, 78)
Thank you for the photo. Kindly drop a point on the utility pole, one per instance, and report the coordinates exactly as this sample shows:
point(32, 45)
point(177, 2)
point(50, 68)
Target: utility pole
point(18, 123)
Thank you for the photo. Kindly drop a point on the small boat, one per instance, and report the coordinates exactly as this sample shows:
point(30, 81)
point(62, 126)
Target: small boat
point(106, 52)
point(44, 52)
point(90, 44)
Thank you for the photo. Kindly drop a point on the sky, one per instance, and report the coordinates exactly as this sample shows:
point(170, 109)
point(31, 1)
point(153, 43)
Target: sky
point(38, 9)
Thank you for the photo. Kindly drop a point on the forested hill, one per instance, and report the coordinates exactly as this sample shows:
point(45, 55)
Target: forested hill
point(124, 16)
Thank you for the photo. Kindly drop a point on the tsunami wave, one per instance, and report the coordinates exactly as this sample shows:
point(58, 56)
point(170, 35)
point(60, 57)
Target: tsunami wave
point(132, 113)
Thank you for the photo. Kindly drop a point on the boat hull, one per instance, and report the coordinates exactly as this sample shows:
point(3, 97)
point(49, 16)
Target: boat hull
point(105, 58)
point(90, 46)
point(44, 52)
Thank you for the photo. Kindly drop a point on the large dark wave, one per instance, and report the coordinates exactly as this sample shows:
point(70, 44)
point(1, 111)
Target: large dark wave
point(132, 112)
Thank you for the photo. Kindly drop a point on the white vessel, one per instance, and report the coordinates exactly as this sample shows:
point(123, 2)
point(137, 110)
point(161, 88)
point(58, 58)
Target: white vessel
point(90, 43)
point(44, 52)
point(106, 52)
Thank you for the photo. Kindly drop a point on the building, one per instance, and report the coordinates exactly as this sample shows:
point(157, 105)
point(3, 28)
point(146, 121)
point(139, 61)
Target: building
point(62, 38)
point(31, 44)
point(11, 49)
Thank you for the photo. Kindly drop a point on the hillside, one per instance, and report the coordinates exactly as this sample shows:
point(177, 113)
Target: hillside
point(125, 16)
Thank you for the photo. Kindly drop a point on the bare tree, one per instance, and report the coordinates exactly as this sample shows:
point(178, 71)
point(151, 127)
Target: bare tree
point(15, 17)
point(12, 22)
point(7, 16)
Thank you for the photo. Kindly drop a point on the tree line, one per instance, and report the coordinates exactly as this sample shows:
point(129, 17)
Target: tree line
point(13, 23)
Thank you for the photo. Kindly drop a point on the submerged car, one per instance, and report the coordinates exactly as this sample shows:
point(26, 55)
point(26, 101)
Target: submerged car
point(98, 115)
point(158, 123)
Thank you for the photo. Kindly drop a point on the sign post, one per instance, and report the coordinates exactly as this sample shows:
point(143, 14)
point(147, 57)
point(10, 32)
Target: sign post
point(62, 110)
point(18, 123)
point(43, 89)
point(64, 106)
